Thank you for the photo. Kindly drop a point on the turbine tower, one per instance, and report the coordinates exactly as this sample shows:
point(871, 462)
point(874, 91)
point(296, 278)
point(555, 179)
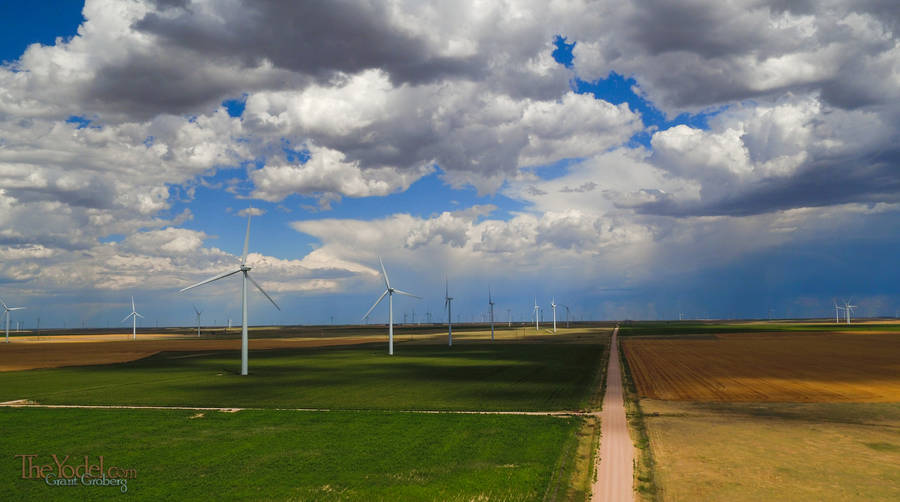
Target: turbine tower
point(244, 270)
point(537, 316)
point(553, 304)
point(389, 291)
point(198, 312)
point(491, 303)
point(448, 301)
point(837, 309)
point(133, 315)
point(6, 310)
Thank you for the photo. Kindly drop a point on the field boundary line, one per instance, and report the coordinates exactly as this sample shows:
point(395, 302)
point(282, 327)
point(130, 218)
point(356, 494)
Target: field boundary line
point(25, 403)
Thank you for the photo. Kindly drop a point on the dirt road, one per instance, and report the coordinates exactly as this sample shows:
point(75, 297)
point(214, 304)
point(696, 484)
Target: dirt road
point(615, 459)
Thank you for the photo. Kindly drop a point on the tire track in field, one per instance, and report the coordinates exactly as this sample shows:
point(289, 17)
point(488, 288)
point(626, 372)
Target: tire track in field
point(24, 403)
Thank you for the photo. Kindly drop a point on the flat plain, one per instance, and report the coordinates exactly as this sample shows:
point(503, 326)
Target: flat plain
point(829, 452)
point(794, 411)
point(827, 366)
point(378, 440)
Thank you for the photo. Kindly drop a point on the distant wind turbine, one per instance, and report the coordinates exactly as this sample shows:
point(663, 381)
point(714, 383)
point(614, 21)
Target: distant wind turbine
point(133, 315)
point(837, 309)
point(389, 292)
point(491, 303)
point(244, 270)
point(553, 304)
point(537, 313)
point(6, 310)
point(448, 301)
point(198, 312)
point(848, 309)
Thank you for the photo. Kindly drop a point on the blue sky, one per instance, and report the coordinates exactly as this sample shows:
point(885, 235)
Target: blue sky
point(626, 170)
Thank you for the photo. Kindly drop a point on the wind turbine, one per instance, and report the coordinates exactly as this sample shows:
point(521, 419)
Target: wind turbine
point(389, 291)
point(448, 300)
point(133, 315)
point(198, 312)
point(837, 308)
point(553, 304)
point(847, 308)
point(244, 270)
point(6, 310)
point(508, 318)
point(567, 314)
point(491, 303)
point(537, 321)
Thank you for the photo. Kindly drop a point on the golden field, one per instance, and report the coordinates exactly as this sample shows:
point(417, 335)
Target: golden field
point(750, 452)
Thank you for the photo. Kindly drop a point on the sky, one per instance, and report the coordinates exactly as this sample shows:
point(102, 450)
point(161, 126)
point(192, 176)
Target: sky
point(631, 160)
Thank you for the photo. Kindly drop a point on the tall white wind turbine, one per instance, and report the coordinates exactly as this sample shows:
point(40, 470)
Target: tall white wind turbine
point(553, 304)
point(198, 312)
point(6, 310)
point(244, 270)
point(848, 309)
point(537, 316)
point(837, 310)
point(133, 315)
point(448, 304)
point(389, 292)
point(491, 303)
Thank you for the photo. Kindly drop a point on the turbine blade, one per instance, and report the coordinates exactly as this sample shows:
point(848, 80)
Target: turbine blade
point(23, 308)
point(139, 315)
point(132, 304)
point(376, 303)
point(195, 309)
point(246, 239)
point(407, 294)
point(220, 276)
point(387, 282)
point(4, 305)
point(263, 292)
point(128, 316)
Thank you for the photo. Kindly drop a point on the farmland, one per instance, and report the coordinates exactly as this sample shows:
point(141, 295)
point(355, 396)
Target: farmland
point(738, 452)
point(769, 367)
point(515, 376)
point(286, 455)
point(365, 442)
point(787, 411)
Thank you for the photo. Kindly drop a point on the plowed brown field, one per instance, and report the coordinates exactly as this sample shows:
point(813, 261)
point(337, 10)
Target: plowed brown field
point(67, 352)
point(769, 367)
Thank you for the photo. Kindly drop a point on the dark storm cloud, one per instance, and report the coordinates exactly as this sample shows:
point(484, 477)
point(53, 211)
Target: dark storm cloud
point(709, 31)
point(147, 85)
point(870, 180)
point(697, 54)
point(313, 38)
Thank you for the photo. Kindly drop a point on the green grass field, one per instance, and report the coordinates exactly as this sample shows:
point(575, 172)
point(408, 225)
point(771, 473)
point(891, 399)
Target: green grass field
point(289, 455)
point(370, 450)
point(475, 376)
